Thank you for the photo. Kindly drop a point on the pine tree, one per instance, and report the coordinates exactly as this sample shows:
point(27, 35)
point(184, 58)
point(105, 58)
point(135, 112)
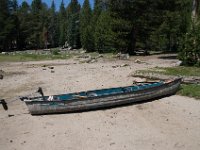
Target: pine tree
point(85, 26)
point(73, 31)
point(190, 44)
point(44, 13)
point(95, 16)
point(53, 26)
point(8, 24)
point(4, 14)
point(36, 24)
point(123, 25)
point(25, 30)
point(62, 24)
point(103, 33)
point(97, 11)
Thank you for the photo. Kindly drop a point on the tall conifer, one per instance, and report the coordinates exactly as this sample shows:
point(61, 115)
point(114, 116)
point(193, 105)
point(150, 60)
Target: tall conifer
point(85, 26)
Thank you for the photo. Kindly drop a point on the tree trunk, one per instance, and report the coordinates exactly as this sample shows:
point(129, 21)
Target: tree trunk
point(132, 45)
point(195, 8)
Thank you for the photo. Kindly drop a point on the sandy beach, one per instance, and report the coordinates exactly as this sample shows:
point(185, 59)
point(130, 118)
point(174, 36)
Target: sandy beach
point(169, 123)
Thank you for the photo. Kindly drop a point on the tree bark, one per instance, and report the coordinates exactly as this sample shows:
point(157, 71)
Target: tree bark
point(195, 8)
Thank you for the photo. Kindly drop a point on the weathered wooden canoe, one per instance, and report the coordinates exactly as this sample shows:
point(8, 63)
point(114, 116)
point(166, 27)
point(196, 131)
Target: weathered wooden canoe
point(100, 99)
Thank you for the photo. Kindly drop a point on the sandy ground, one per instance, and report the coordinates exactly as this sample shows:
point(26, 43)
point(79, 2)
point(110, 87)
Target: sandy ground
point(169, 123)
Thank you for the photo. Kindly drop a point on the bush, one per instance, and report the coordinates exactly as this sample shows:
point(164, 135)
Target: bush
point(55, 51)
point(190, 47)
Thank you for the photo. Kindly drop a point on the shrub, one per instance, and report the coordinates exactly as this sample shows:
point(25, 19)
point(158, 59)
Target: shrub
point(55, 51)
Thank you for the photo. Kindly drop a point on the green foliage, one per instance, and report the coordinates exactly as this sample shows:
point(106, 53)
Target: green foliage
point(53, 28)
point(152, 24)
point(103, 33)
point(55, 51)
point(62, 24)
point(8, 24)
point(120, 25)
point(190, 48)
point(38, 24)
point(73, 30)
point(85, 27)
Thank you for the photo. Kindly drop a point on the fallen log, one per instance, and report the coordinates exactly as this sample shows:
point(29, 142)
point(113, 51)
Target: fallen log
point(155, 76)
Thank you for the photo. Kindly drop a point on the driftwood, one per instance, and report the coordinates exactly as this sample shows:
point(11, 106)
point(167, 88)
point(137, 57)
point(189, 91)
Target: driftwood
point(156, 76)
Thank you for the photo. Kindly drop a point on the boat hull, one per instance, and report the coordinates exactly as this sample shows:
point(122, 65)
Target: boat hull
point(94, 103)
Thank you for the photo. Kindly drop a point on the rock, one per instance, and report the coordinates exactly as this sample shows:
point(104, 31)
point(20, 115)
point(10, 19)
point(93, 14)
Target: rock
point(44, 65)
point(116, 66)
point(11, 116)
point(82, 52)
point(100, 56)
point(51, 68)
point(1, 77)
point(91, 60)
point(85, 56)
point(1, 74)
point(178, 63)
point(138, 61)
point(123, 56)
point(124, 65)
point(4, 53)
point(112, 144)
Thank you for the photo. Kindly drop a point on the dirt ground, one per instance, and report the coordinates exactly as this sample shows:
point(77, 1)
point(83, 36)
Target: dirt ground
point(169, 123)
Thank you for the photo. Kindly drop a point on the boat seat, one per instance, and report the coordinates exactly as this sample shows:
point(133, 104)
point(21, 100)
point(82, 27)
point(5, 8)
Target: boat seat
point(91, 94)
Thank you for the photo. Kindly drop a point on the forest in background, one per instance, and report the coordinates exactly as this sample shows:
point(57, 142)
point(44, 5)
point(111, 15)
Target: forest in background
point(110, 26)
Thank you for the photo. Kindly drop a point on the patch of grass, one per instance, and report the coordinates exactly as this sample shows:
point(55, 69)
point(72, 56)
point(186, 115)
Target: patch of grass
point(30, 57)
point(94, 54)
point(190, 90)
point(109, 55)
point(182, 71)
point(176, 71)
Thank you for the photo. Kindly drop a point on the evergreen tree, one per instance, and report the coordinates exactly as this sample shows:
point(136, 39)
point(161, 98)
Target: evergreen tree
point(103, 33)
point(53, 26)
point(96, 13)
point(25, 30)
point(124, 25)
point(36, 24)
point(189, 47)
point(8, 24)
point(4, 14)
point(85, 26)
point(62, 24)
point(73, 31)
point(44, 14)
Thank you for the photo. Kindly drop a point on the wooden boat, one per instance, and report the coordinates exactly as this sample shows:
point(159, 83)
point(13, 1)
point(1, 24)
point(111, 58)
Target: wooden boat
point(100, 99)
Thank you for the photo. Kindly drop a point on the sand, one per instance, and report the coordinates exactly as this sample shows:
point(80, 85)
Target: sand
point(169, 123)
